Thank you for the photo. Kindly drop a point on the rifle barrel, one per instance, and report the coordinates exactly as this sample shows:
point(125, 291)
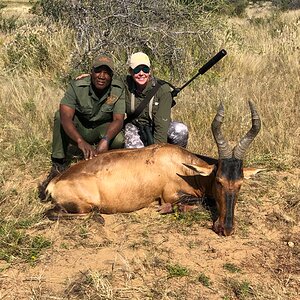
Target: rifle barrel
point(202, 70)
point(212, 61)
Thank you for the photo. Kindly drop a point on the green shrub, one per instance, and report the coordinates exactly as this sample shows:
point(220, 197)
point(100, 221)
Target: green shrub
point(287, 4)
point(177, 271)
point(7, 24)
point(281, 4)
point(228, 7)
point(27, 51)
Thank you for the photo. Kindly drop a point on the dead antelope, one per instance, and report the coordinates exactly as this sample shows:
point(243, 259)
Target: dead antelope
point(122, 181)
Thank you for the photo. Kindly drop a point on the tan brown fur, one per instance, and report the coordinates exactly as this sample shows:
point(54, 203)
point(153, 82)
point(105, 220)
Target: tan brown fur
point(128, 180)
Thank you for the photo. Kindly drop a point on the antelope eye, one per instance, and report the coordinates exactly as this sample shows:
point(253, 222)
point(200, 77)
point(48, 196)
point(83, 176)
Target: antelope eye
point(218, 181)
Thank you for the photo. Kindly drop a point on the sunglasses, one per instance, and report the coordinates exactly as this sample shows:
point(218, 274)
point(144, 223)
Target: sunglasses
point(138, 69)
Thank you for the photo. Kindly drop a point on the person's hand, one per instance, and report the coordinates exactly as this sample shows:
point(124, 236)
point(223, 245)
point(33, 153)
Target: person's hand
point(81, 76)
point(87, 149)
point(102, 146)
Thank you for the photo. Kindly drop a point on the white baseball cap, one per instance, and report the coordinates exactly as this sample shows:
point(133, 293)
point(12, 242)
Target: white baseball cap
point(139, 58)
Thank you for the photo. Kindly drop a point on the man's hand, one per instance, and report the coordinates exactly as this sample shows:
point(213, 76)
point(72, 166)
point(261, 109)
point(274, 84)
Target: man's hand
point(87, 149)
point(102, 146)
point(66, 114)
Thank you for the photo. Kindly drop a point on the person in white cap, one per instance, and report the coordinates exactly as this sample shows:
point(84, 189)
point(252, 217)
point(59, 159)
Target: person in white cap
point(151, 123)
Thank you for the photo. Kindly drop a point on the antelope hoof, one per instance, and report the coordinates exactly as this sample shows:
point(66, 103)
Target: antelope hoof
point(98, 218)
point(165, 208)
point(56, 213)
point(186, 208)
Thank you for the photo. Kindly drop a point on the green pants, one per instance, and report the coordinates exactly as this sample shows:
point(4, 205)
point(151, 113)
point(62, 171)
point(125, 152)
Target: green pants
point(61, 140)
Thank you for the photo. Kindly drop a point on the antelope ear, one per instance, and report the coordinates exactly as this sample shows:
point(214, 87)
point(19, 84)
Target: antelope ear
point(249, 172)
point(204, 171)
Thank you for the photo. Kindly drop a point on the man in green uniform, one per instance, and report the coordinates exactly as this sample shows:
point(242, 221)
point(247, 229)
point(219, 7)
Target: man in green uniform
point(91, 116)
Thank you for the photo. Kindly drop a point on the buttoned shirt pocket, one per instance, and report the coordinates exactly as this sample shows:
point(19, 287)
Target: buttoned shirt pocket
point(106, 108)
point(85, 112)
point(106, 113)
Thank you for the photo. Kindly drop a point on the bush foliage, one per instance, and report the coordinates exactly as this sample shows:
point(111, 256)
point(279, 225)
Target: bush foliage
point(7, 24)
point(228, 7)
point(159, 28)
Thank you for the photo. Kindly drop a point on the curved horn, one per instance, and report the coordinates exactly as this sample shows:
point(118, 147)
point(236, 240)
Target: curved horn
point(223, 147)
point(240, 149)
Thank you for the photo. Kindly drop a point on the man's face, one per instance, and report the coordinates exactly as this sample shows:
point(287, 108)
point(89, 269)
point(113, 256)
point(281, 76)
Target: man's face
point(101, 77)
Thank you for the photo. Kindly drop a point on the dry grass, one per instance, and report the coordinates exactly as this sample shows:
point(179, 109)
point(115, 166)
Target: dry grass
point(261, 66)
point(144, 255)
point(19, 8)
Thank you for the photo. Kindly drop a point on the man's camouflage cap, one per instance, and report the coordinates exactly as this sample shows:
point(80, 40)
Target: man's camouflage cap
point(103, 60)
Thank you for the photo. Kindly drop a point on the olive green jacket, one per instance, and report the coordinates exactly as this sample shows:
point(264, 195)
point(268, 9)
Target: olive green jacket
point(157, 114)
point(89, 108)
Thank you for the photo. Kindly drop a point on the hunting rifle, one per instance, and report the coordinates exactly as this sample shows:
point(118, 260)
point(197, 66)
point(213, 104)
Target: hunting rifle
point(201, 71)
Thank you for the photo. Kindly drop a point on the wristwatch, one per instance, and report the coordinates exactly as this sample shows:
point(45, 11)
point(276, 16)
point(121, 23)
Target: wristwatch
point(105, 138)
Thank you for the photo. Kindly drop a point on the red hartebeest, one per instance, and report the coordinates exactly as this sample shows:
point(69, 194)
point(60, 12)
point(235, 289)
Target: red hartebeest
point(127, 180)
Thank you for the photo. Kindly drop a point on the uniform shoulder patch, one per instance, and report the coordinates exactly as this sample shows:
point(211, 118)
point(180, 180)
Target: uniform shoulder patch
point(111, 99)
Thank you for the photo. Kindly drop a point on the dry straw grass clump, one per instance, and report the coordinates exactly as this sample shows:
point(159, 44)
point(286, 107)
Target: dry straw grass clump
point(39, 50)
point(32, 58)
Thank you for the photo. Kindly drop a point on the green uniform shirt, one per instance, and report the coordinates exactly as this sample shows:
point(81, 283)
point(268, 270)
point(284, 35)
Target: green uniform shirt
point(89, 108)
point(161, 108)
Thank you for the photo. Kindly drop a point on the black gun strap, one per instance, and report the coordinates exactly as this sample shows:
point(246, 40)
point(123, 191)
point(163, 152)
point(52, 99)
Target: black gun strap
point(143, 104)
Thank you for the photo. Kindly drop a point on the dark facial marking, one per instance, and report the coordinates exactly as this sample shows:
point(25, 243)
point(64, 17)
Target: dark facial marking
point(229, 198)
point(232, 168)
